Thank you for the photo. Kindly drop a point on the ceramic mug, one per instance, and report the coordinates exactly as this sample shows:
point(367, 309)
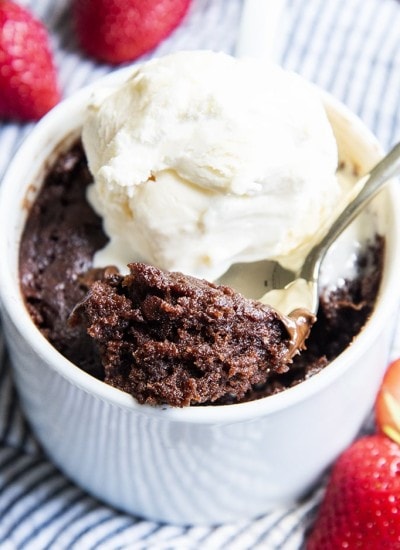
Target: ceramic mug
point(195, 465)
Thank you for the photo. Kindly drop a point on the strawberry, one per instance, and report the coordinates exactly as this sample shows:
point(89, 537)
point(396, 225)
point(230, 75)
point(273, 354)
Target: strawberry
point(361, 506)
point(387, 406)
point(28, 84)
point(116, 31)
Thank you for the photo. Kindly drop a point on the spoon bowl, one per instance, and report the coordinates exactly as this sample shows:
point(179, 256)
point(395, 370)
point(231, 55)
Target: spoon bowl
point(287, 290)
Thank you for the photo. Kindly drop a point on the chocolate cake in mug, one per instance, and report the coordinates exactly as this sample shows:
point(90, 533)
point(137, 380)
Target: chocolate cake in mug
point(166, 138)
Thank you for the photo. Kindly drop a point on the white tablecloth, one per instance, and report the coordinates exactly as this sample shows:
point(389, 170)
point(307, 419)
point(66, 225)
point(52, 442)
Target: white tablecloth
point(348, 47)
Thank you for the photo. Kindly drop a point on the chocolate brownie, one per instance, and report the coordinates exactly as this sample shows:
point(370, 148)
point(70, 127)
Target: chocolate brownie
point(170, 338)
point(61, 236)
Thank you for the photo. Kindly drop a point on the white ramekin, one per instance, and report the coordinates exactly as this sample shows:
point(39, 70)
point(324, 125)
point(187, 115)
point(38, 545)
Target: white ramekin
point(199, 465)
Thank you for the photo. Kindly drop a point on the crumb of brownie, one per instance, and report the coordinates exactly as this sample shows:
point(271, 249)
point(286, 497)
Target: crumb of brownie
point(167, 338)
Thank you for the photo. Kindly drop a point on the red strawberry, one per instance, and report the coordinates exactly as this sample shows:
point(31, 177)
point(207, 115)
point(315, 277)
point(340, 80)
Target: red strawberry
point(387, 407)
point(122, 30)
point(361, 507)
point(28, 86)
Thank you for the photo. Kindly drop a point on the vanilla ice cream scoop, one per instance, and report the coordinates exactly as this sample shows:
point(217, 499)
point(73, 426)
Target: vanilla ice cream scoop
point(201, 160)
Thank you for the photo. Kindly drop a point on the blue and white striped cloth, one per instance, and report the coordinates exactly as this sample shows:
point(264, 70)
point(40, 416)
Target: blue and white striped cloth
point(349, 47)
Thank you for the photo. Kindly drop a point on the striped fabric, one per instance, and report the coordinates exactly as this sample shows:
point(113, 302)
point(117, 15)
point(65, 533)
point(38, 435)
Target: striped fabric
point(349, 47)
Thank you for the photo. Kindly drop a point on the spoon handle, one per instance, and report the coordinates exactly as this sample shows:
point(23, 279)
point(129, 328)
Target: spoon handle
point(387, 168)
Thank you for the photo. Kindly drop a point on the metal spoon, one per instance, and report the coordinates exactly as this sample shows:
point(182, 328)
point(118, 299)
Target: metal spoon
point(290, 290)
